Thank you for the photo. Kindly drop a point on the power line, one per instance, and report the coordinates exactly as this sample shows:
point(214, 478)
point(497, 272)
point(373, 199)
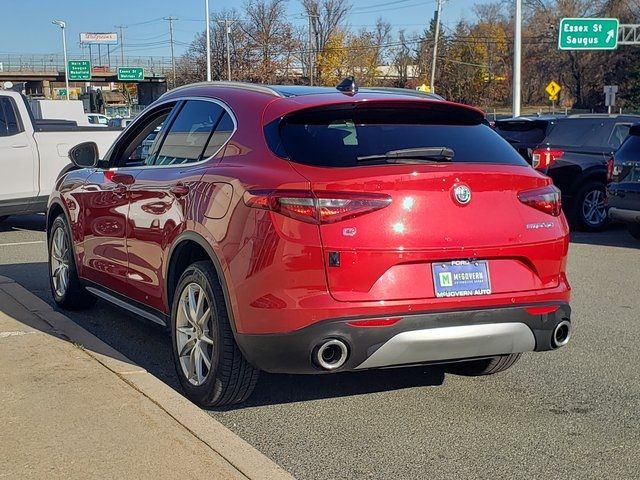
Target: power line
point(378, 5)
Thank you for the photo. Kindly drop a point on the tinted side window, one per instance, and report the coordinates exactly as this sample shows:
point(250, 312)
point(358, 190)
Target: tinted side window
point(630, 150)
point(189, 133)
point(223, 131)
point(4, 131)
point(134, 147)
point(619, 133)
point(9, 124)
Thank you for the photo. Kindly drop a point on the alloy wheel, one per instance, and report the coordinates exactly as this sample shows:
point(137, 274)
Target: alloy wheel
point(60, 260)
point(594, 210)
point(193, 334)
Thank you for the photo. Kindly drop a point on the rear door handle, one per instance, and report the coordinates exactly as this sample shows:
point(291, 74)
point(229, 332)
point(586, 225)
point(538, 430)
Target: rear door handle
point(179, 190)
point(19, 145)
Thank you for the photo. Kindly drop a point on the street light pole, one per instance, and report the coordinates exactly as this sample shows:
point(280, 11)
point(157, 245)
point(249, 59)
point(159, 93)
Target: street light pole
point(208, 30)
point(62, 26)
point(517, 52)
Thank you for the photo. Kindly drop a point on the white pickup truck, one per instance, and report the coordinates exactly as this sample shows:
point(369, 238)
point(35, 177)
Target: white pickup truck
point(34, 152)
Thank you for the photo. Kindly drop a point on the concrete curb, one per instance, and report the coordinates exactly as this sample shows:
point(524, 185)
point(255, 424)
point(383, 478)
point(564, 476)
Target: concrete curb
point(245, 458)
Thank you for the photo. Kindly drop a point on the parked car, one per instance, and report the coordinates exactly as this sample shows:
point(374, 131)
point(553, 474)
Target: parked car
point(301, 230)
point(120, 122)
point(98, 120)
point(624, 190)
point(34, 152)
point(573, 151)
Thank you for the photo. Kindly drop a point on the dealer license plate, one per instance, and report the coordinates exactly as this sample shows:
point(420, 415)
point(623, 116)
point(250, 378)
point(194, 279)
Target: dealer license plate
point(461, 278)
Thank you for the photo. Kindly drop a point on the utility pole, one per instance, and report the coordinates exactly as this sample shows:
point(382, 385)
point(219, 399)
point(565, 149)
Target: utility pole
point(173, 58)
point(121, 27)
point(517, 50)
point(227, 29)
point(311, 50)
point(435, 46)
point(208, 30)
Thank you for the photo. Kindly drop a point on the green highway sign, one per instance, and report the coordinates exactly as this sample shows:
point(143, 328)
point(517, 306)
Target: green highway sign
point(79, 70)
point(588, 34)
point(131, 74)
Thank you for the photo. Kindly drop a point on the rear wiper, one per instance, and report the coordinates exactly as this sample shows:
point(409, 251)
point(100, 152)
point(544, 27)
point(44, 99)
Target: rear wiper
point(412, 155)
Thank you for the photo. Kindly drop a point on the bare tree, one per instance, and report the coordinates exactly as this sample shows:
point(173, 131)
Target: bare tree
point(326, 17)
point(271, 37)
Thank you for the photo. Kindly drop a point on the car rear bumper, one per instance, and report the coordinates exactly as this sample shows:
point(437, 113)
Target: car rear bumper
point(623, 215)
point(438, 337)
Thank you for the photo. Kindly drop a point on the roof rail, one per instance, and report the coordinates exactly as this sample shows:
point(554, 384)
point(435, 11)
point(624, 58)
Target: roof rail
point(254, 87)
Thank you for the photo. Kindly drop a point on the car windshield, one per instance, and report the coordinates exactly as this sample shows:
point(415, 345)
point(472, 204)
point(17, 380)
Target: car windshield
point(339, 137)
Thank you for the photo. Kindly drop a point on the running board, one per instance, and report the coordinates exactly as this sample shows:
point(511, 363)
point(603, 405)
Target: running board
point(127, 306)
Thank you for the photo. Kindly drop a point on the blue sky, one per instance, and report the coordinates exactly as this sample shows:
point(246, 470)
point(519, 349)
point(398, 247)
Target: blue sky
point(25, 25)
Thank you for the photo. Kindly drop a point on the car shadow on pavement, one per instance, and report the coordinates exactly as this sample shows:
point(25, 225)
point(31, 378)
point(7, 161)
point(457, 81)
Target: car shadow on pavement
point(35, 223)
point(148, 345)
point(280, 389)
point(615, 235)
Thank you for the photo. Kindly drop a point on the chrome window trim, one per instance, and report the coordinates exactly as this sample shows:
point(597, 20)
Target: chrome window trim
point(220, 103)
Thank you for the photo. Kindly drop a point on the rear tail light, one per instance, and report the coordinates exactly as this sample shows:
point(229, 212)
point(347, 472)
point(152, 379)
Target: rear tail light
point(319, 207)
point(542, 158)
point(546, 199)
point(610, 168)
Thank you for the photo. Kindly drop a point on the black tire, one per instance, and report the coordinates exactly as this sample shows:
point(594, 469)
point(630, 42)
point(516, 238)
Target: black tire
point(578, 213)
point(75, 296)
point(230, 378)
point(486, 366)
point(634, 230)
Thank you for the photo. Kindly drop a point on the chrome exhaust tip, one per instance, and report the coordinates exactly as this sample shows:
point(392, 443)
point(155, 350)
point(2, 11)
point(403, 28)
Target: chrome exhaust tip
point(561, 334)
point(331, 354)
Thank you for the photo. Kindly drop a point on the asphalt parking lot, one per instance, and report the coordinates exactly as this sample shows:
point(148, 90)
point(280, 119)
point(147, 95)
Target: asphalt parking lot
point(566, 414)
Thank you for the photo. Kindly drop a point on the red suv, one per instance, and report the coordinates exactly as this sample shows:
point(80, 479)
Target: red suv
point(309, 230)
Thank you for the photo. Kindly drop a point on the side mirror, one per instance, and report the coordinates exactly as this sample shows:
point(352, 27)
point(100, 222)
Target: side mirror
point(84, 155)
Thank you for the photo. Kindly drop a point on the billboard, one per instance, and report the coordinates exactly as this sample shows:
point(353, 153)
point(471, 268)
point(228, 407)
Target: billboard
point(99, 38)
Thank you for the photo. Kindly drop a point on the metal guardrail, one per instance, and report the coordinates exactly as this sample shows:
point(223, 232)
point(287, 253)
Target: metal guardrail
point(54, 63)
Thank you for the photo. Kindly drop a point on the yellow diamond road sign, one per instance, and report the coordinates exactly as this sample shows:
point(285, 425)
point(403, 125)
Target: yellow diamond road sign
point(553, 89)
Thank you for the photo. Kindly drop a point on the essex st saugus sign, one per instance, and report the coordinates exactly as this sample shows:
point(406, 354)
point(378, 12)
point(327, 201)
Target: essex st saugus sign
point(588, 34)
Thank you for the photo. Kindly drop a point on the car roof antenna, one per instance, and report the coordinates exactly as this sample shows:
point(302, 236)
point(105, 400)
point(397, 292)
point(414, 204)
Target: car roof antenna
point(348, 85)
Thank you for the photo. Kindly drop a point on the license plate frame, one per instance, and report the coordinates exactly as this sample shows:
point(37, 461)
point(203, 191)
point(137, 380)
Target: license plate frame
point(461, 278)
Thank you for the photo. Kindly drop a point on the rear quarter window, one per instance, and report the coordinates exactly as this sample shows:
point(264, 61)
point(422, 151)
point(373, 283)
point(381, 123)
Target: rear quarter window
point(629, 150)
point(339, 137)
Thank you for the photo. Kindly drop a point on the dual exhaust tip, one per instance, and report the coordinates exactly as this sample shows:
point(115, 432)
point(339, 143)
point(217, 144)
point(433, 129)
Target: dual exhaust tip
point(331, 354)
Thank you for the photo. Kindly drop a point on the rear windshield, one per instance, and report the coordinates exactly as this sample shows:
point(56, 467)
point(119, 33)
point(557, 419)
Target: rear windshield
point(337, 137)
point(578, 132)
point(522, 132)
